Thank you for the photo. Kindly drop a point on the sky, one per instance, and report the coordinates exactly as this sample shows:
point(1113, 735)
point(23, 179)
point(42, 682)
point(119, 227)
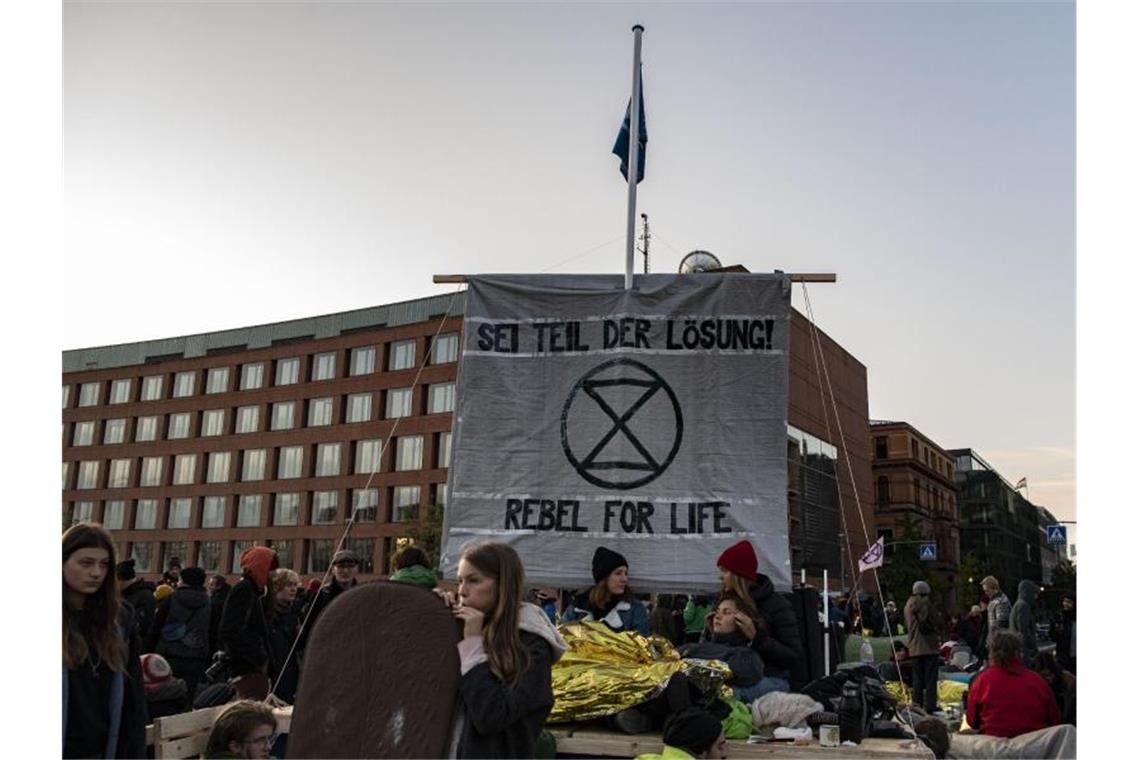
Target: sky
point(232, 164)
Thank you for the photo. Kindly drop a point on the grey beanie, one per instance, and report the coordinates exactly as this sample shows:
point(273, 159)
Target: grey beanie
point(921, 588)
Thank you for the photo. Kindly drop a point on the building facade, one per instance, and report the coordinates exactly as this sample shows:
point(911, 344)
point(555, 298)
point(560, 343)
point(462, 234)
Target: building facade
point(914, 480)
point(195, 448)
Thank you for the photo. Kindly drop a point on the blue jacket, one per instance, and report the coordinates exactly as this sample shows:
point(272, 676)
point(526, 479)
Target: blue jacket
point(619, 616)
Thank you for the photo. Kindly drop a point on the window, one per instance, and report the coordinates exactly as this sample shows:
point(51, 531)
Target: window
point(115, 431)
point(364, 504)
point(443, 451)
point(185, 466)
point(328, 459)
point(113, 513)
point(178, 514)
point(441, 494)
point(151, 388)
point(363, 548)
point(151, 472)
point(66, 474)
point(286, 506)
point(445, 348)
point(367, 456)
point(81, 511)
point(146, 429)
point(401, 355)
point(359, 408)
point(252, 376)
point(247, 419)
point(282, 416)
point(218, 467)
point(119, 473)
point(249, 511)
point(239, 547)
point(146, 514)
point(320, 411)
point(210, 555)
point(88, 394)
point(288, 371)
point(320, 554)
point(409, 452)
point(880, 447)
point(884, 490)
point(213, 422)
point(179, 426)
point(66, 395)
point(441, 398)
point(143, 555)
point(253, 465)
point(88, 476)
point(218, 380)
point(84, 434)
point(324, 508)
point(405, 499)
point(289, 462)
point(914, 448)
point(284, 549)
point(120, 391)
point(363, 360)
point(175, 552)
point(183, 385)
point(213, 512)
point(399, 403)
point(324, 366)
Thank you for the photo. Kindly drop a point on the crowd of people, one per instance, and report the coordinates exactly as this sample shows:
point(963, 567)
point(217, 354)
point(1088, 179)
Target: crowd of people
point(134, 651)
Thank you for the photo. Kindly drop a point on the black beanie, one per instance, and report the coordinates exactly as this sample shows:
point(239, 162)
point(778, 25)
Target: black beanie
point(605, 562)
point(193, 576)
point(692, 730)
point(125, 570)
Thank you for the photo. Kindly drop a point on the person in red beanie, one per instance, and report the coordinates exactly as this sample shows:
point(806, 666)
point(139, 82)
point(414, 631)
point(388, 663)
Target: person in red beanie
point(242, 630)
point(768, 621)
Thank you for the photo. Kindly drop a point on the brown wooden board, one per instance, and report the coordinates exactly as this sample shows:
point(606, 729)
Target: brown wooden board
point(379, 678)
point(600, 743)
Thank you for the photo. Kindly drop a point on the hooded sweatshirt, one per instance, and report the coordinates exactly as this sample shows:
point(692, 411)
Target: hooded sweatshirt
point(1022, 619)
point(242, 630)
point(417, 575)
point(501, 720)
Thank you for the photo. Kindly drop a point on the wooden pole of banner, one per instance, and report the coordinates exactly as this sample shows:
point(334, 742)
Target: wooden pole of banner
point(444, 279)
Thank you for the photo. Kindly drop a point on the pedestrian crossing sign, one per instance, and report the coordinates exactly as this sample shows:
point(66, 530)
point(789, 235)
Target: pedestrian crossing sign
point(928, 551)
point(1057, 534)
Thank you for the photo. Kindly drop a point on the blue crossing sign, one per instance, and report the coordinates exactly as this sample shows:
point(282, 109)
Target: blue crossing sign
point(1057, 534)
point(928, 551)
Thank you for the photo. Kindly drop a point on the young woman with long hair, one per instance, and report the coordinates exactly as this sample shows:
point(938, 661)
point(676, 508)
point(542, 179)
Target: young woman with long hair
point(505, 656)
point(104, 710)
point(611, 600)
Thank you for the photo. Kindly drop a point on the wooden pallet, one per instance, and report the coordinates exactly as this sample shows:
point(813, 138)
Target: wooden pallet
point(185, 735)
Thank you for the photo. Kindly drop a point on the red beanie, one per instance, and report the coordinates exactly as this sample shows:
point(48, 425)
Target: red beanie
point(739, 559)
point(155, 671)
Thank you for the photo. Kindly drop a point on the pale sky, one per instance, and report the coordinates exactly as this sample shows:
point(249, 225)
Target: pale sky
point(233, 164)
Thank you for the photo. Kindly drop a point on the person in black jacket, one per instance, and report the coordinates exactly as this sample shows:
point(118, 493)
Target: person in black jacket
point(181, 630)
point(776, 635)
point(283, 617)
point(344, 566)
point(242, 630)
point(139, 594)
point(218, 589)
point(104, 709)
point(505, 656)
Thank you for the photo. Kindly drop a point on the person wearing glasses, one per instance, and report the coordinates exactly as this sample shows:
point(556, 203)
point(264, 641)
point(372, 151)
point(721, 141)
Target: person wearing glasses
point(245, 729)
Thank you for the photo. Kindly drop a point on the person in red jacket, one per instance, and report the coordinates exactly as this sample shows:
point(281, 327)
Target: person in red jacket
point(1006, 699)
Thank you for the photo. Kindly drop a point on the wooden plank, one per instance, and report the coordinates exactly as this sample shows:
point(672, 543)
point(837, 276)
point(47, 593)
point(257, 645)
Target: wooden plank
point(186, 724)
point(186, 747)
point(611, 744)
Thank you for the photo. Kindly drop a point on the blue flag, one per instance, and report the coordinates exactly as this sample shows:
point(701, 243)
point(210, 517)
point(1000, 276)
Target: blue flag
point(621, 144)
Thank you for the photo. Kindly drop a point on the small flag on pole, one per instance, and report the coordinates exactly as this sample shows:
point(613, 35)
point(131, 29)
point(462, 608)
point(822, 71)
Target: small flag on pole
point(874, 556)
point(621, 144)
point(1021, 484)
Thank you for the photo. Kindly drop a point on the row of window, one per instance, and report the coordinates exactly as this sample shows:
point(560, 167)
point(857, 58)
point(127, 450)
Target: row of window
point(444, 349)
point(928, 496)
point(288, 509)
point(306, 556)
point(184, 469)
point(282, 415)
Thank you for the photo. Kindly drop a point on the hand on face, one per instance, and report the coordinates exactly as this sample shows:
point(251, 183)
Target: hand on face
point(472, 618)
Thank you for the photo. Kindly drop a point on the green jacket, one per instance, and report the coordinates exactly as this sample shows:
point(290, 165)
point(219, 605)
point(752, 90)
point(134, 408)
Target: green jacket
point(695, 617)
point(667, 753)
point(417, 575)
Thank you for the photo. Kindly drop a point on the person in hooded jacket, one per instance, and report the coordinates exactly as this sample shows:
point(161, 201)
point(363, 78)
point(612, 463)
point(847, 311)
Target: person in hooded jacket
point(139, 594)
point(242, 630)
point(611, 600)
point(923, 626)
point(768, 621)
point(218, 589)
point(412, 567)
point(283, 618)
point(181, 630)
point(1023, 620)
point(505, 657)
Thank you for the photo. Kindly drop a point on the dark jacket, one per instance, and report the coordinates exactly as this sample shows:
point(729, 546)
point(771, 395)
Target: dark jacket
point(778, 636)
point(217, 604)
point(181, 629)
point(284, 622)
point(618, 614)
point(323, 599)
point(732, 649)
point(1063, 630)
point(140, 595)
point(91, 696)
point(242, 630)
point(1022, 619)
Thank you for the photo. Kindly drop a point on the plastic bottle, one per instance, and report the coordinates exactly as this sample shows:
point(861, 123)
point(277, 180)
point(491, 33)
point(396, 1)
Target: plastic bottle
point(852, 717)
point(866, 653)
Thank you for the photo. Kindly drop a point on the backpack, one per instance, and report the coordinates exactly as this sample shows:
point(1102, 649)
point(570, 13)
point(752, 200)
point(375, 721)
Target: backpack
point(186, 633)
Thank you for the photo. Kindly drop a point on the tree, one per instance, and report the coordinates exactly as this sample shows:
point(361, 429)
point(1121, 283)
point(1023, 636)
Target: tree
point(970, 574)
point(903, 567)
point(1065, 576)
point(427, 532)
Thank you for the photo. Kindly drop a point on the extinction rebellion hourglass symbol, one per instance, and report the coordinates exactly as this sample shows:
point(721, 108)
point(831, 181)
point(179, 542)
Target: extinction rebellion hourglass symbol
point(621, 425)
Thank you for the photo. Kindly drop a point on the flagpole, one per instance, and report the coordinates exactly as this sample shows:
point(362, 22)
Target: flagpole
point(634, 149)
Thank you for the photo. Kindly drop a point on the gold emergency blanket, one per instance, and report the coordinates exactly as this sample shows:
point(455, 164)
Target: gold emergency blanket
point(949, 692)
point(605, 671)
